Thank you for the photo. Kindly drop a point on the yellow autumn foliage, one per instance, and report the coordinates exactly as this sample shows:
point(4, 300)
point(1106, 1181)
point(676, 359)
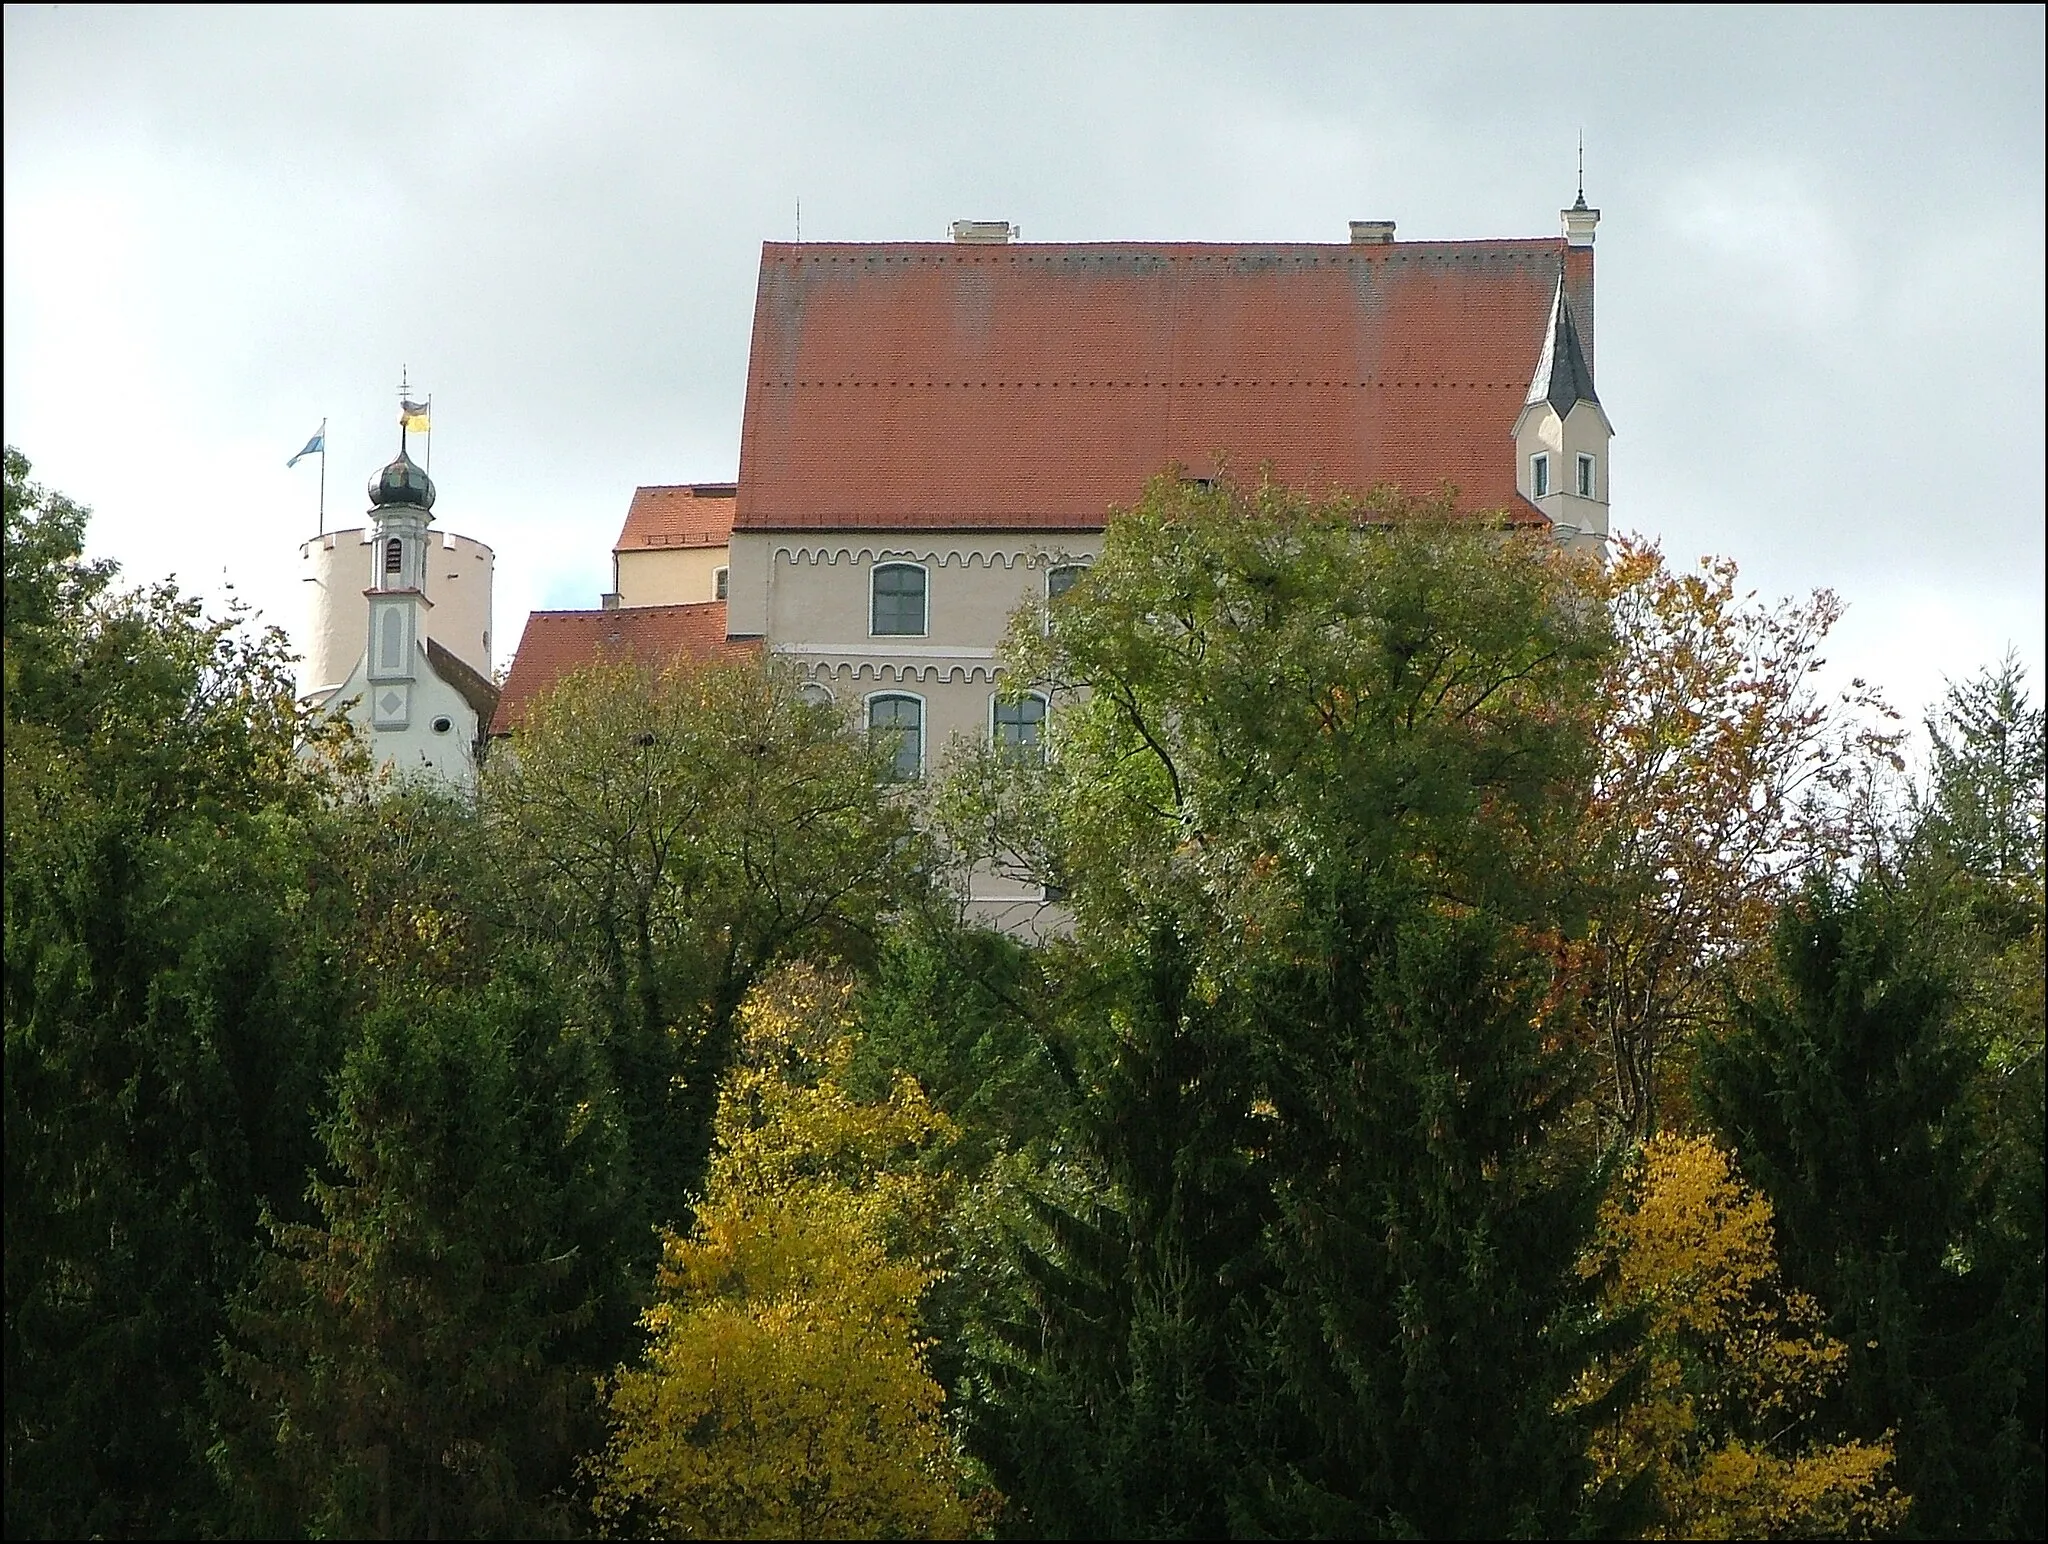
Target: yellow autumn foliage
point(784, 1392)
point(1731, 1365)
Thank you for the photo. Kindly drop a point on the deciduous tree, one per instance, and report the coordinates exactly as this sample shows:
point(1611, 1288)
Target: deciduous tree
point(666, 839)
point(1724, 772)
point(784, 1394)
point(1316, 770)
point(1727, 1379)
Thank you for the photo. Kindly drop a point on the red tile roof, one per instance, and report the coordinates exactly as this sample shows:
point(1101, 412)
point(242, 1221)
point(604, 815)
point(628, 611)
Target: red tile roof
point(683, 515)
point(557, 642)
point(931, 386)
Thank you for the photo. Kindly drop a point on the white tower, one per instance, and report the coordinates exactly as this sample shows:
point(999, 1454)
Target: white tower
point(401, 506)
point(425, 710)
point(1562, 435)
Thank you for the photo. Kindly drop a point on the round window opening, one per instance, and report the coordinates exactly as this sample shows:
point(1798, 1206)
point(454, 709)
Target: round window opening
point(443, 725)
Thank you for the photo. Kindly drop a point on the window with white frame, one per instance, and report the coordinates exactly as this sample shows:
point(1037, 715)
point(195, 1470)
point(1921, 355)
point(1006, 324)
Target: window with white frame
point(1586, 478)
point(814, 695)
point(1539, 476)
point(1018, 728)
point(899, 601)
point(718, 576)
point(1060, 580)
point(896, 726)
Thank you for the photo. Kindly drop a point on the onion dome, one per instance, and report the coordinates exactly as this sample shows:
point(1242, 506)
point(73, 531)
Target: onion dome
point(402, 483)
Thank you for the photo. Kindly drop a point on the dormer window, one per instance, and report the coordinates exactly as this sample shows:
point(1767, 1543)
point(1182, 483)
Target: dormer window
point(394, 554)
point(1586, 480)
point(1539, 477)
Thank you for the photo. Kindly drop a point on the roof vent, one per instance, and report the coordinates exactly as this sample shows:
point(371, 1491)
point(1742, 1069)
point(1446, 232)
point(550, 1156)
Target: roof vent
point(987, 233)
point(1372, 233)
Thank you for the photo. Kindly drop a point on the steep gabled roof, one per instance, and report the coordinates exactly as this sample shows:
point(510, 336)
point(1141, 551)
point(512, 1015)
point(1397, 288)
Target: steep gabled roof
point(479, 693)
point(1562, 378)
point(557, 642)
point(678, 515)
point(929, 386)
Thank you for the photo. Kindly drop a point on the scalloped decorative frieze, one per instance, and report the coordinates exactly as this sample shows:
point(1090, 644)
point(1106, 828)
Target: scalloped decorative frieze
point(894, 672)
point(833, 554)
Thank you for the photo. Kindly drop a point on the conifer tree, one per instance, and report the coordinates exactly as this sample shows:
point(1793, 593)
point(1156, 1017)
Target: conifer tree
point(167, 1016)
point(1846, 1090)
point(419, 1362)
point(1307, 1261)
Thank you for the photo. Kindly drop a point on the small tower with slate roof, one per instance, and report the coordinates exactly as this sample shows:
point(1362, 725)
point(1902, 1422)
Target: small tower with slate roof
point(1562, 433)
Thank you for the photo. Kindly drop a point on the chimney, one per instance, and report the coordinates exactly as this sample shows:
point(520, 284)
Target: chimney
point(1372, 233)
point(986, 233)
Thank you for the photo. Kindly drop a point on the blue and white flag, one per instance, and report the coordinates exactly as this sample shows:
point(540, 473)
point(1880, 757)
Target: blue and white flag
point(317, 444)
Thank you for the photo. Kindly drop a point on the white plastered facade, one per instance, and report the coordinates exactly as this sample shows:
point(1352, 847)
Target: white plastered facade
point(1580, 522)
point(337, 567)
point(810, 596)
point(416, 720)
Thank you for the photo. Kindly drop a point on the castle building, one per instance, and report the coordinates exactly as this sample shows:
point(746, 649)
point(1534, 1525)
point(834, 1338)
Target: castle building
point(400, 632)
point(934, 434)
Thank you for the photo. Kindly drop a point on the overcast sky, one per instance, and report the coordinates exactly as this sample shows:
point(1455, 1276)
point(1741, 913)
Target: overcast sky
point(1820, 259)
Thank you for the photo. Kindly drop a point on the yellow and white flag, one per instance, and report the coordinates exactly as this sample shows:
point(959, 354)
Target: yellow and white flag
point(412, 417)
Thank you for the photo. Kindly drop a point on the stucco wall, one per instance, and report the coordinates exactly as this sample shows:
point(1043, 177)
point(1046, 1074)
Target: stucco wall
point(1583, 430)
point(669, 576)
point(337, 568)
point(416, 748)
point(810, 596)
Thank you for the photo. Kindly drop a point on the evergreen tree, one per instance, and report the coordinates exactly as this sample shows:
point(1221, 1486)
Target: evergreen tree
point(1307, 1258)
point(419, 1363)
point(168, 1023)
point(1847, 1092)
point(1430, 1319)
point(1983, 806)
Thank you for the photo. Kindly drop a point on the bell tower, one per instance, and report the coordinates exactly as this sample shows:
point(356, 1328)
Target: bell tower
point(401, 507)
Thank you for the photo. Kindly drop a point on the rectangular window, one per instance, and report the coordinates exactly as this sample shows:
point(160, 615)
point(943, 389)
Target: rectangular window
point(1019, 729)
point(898, 601)
point(718, 583)
point(1539, 476)
point(1585, 477)
point(896, 725)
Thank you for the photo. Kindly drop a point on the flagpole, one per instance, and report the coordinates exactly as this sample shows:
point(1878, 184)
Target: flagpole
point(323, 477)
point(429, 468)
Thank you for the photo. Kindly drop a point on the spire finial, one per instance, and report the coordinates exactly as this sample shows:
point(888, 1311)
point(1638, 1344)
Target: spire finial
point(1582, 171)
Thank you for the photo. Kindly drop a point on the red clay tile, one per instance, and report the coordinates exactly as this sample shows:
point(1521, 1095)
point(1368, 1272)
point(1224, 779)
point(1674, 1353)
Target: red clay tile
point(557, 642)
point(928, 386)
point(679, 515)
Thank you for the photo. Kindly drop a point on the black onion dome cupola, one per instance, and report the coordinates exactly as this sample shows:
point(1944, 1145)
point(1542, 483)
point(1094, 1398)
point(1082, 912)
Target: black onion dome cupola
point(402, 482)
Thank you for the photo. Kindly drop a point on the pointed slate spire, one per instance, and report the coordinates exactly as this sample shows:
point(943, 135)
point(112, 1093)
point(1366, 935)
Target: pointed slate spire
point(1562, 378)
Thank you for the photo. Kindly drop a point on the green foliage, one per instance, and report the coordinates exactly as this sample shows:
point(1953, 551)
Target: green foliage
point(666, 840)
point(165, 1027)
point(964, 1011)
point(1983, 808)
point(1313, 773)
point(417, 1364)
point(1848, 1091)
point(1266, 1200)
